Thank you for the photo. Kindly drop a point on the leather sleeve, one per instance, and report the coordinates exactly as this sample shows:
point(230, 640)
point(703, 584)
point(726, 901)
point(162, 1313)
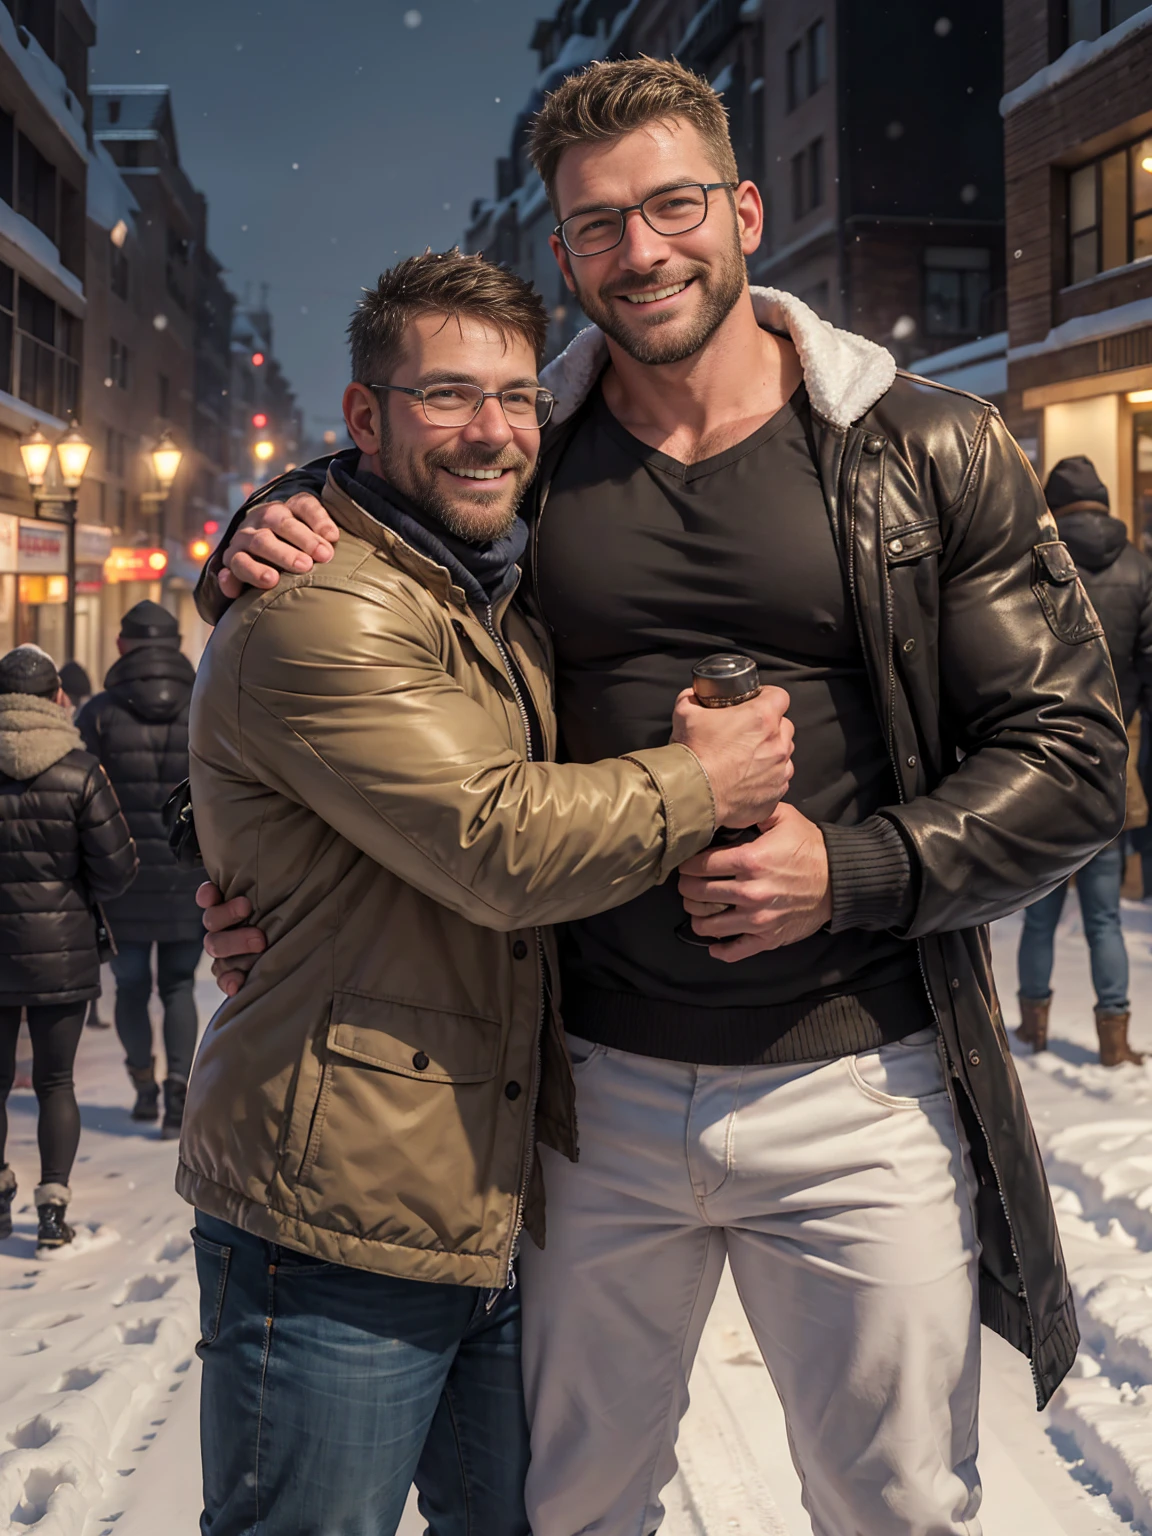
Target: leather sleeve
point(107, 852)
point(1142, 658)
point(1027, 699)
point(211, 604)
point(366, 727)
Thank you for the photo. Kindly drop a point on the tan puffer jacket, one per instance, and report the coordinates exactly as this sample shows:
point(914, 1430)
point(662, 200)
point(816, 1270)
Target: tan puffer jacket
point(358, 764)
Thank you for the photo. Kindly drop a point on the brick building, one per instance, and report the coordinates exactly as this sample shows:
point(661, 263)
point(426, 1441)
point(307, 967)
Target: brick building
point(1078, 157)
point(872, 132)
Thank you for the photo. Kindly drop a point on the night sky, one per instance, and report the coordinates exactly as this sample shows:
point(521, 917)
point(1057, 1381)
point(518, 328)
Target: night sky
point(392, 130)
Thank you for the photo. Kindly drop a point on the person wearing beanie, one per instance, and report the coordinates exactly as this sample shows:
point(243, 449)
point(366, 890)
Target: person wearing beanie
point(64, 847)
point(138, 728)
point(1118, 579)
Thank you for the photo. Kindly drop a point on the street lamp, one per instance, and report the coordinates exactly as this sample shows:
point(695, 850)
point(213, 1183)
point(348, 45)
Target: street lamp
point(72, 452)
point(166, 458)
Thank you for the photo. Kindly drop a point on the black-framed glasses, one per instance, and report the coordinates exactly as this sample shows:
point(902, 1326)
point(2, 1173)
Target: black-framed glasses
point(674, 211)
point(527, 407)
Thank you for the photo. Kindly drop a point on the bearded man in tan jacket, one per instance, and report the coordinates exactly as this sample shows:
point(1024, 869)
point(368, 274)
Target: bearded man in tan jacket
point(372, 747)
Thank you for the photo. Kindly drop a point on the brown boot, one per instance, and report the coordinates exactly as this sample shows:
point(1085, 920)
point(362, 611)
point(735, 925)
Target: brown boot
point(1112, 1028)
point(147, 1105)
point(1033, 1028)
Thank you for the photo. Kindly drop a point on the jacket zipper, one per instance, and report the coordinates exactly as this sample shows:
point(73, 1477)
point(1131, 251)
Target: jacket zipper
point(534, 1086)
point(889, 638)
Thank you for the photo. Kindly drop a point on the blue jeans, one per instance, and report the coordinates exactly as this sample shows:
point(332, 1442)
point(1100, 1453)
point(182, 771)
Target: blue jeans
point(327, 1391)
point(1098, 887)
point(176, 964)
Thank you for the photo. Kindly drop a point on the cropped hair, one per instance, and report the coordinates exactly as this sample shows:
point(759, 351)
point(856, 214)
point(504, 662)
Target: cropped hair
point(447, 282)
point(607, 100)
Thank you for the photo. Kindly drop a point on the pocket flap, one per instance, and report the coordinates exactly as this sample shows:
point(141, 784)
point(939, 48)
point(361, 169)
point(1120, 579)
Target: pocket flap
point(903, 545)
point(412, 1041)
point(1056, 561)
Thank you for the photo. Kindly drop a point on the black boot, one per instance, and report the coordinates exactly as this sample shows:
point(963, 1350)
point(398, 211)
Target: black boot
point(147, 1105)
point(175, 1092)
point(51, 1206)
point(7, 1193)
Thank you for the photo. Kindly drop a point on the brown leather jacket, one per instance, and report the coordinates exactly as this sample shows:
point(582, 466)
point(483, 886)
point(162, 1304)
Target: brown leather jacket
point(358, 762)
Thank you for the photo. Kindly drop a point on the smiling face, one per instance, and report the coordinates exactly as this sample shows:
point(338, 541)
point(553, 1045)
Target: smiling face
point(471, 478)
point(659, 297)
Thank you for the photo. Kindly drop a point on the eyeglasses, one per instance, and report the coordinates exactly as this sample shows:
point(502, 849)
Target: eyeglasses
point(672, 212)
point(526, 408)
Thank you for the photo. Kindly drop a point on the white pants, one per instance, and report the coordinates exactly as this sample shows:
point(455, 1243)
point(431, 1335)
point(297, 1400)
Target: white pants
point(841, 1194)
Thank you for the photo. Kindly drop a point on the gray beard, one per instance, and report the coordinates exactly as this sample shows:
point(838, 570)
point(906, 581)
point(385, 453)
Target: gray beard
point(721, 292)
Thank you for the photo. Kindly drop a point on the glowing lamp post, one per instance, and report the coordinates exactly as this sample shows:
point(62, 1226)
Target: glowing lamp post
point(72, 454)
point(166, 460)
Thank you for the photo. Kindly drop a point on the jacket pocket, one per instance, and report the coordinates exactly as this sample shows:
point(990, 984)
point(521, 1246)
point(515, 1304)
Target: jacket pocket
point(1060, 593)
point(421, 1043)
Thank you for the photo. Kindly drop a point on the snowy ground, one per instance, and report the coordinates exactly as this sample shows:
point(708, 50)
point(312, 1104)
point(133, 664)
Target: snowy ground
point(98, 1377)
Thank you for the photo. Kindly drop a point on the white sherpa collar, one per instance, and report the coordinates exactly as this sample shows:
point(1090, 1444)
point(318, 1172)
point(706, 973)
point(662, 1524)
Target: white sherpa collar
point(844, 374)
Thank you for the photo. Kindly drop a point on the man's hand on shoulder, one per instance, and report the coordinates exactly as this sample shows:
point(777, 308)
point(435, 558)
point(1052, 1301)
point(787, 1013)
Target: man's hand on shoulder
point(277, 536)
point(762, 894)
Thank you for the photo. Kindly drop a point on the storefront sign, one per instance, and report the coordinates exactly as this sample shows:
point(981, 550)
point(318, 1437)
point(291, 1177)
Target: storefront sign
point(43, 547)
point(9, 542)
point(135, 565)
point(93, 543)
point(89, 580)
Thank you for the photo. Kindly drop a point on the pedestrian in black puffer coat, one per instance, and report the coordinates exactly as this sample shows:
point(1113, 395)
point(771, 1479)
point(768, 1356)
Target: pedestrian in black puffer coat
point(64, 846)
point(1118, 578)
point(138, 728)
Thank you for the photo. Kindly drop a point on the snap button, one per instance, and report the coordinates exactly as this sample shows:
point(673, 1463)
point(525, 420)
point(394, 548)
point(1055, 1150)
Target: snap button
point(512, 1090)
point(911, 762)
point(519, 950)
point(974, 1058)
point(955, 983)
point(909, 645)
point(420, 1061)
point(873, 444)
point(896, 546)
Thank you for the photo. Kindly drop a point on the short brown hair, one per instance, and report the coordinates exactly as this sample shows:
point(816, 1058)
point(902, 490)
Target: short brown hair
point(609, 99)
point(447, 281)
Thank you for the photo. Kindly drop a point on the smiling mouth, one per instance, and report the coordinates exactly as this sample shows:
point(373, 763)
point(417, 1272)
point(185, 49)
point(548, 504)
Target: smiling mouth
point(654, 295)
point(476, 474)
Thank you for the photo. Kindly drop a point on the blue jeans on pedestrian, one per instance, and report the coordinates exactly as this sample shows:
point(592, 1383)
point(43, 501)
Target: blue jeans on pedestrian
point(176, 963)
point(1098, 887)
point(328, 1391)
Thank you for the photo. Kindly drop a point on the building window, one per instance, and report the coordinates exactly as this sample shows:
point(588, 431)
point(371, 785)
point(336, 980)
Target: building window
point(806, 65)
point(117, 363)
point(957, 283)
point(48, 353)
point(7, 325)
point(1090, 19)
point(1110, 211)
point(163, 392)
point(7, 159)
point(114, 453)
point(808, 179)
point(35, 187)
point(118, 271)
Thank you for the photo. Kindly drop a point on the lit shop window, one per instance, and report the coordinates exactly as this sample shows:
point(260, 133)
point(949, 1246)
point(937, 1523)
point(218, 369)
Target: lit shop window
point(1110, 211)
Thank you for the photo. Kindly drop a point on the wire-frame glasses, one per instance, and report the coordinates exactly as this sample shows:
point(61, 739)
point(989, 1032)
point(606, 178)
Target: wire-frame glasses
point(675, 211)
point(526, 407)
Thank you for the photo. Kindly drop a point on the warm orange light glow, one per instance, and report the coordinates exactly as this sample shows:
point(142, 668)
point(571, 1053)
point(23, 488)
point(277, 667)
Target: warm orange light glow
point(36, 450)
point(263, 450)
point(1140, 397)
point(158, 561)
point(199, 549)
point(127, 564)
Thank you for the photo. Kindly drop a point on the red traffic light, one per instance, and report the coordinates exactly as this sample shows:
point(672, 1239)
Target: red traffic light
point(257, 359)
point(211, 526)
point(259, 420)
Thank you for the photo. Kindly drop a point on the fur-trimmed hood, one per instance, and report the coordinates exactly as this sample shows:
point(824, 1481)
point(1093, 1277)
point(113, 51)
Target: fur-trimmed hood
point(844, 374)
point(34, 734)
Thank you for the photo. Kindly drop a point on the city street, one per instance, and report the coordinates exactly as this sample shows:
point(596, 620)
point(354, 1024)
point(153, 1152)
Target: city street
point(99, 1419)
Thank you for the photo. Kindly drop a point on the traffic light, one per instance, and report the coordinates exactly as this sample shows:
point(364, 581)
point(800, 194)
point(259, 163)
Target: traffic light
point(211, 526)
point(259, 421)
point(257, 359)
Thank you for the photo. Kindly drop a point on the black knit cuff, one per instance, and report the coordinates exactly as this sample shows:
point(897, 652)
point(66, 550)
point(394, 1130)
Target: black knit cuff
point(871, 876)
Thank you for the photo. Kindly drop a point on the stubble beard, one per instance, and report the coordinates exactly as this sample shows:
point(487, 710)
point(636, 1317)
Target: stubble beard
point(486, 515)
point(720, 289)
